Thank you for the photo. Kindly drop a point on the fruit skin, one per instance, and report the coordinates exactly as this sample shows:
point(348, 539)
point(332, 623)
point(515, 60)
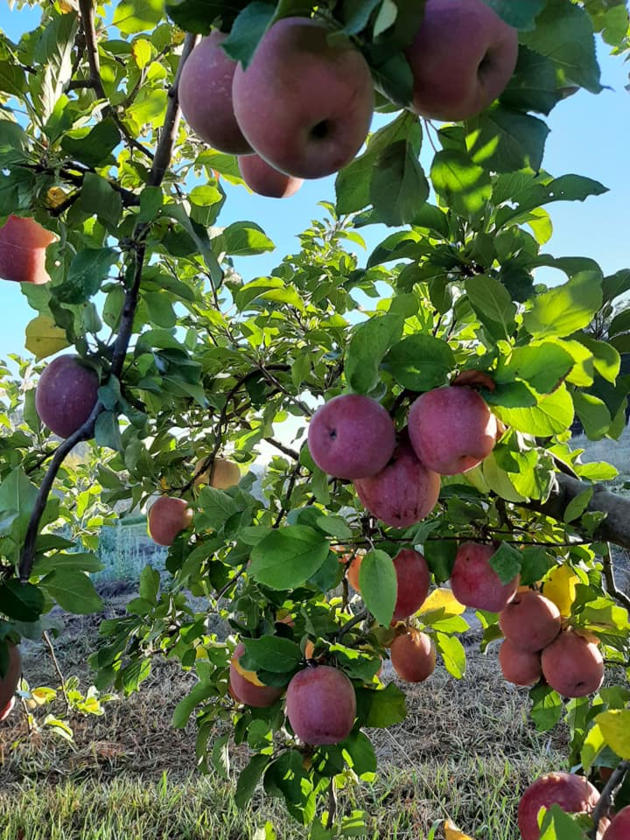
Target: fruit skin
point(619, 828)
point(351, 436)
point(461, 59)
point(451, 429)
point(245, 690)
point(412, 581)
point(23, 244)
point(6, 710)
point(521, 667)
point(9, 682)
point(352, 572)
point(167, 517)
point(205, 96)
point(225, 474)
point(413, 656)
point(402, 493)
point(574, 794)
point(326, 93)
point(475, 583)
point(265, 180)
point(66, 393)
point(530, 621)
point(321, 705)
point(573, 665)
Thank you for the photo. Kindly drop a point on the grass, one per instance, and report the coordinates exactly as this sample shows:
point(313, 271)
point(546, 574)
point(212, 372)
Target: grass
point(466, 751)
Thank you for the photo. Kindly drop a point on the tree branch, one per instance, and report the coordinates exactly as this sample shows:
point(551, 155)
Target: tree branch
point(603, 802)
point(611, 584)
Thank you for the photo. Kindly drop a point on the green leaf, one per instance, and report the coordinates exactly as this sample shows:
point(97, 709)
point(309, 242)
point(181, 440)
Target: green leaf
point(247, 30)
point(547, 707)
point(534, 85)
point(336, 526)
point(21, 601)
point(543, 366)
point(520, 15)
point(506, 562)
point(288, 557)
point(462, 184)
point(359, 750)
point(492, 303)
point(378, 583)
point(440, 556)
point(564, 33)
point(503, 140)
point(398, 186)
point(92, 146)
point(215, 508)
point(249, 778)
point(552, 415)
point(565, 309)
point(558, 825)
point(578, 505)
point(273, 653)
point(149, 584)
point(107, 431)
point(200, 692)
point(453, 653)
point(369, 343)
point(382, 708)
point(99, 198)
point(593, 414)
point(132, 16)
point(78, 560)
point(72, 590)
point(420, 362)
point(244, 239)
point(88, 269)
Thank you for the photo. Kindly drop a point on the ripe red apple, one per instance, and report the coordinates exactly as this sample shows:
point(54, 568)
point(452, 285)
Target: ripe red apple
point(451, 429)
point(321, 705)
point(351, 436)
point(413, 656)
point(573, 665)
point(6, 711)
point(265, 180)
point(619, 828)
point(521, 667)
point(574, 794)
point(245, 686)
point(353, 569)
point(403, 492)
point(167, 517)
point(304, 104)
point(205, 96)
point(461, 59)
point(475, 583)
point(66, 393)
point(23, 244)
point(530, 621)
point(9, 682)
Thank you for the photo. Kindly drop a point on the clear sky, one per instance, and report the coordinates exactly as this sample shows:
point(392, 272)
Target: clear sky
point(589, 137)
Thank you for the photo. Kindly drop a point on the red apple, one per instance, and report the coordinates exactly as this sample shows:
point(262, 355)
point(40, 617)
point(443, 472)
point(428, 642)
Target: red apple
point(413, 656)
point(6, 711)
point(521, 667)
point(451, 429)
point(305, 101)
point(403, 492)
point(412, 581)
point(9, 682)
point(461, 59)
point(573, 665)
point(351, 436)
point(66, 393)
point(167, 517)
point(321, 705)
point(574, 794)
point(265, 180)
point(619, 828)
point(530, 621)
point(475, 583)
point(245, 687)
point(205, 96)
point(23, 244)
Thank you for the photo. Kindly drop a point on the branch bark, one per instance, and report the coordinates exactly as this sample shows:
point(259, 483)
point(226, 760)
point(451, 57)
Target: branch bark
point(604, 800)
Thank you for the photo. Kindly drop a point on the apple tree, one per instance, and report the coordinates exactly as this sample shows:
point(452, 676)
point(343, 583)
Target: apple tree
point(418, 403)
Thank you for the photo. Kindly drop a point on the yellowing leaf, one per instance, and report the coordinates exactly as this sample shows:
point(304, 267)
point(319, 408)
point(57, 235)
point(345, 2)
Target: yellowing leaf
point(615, 726)
point(442, 599)
point(44, 337)
point(67, 6)
point(250, 676)
point(560, 588)
point(55, 197)
point(141, 51)
point(451, 832)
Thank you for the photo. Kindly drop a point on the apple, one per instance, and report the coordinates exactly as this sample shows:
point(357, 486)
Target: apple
point(412, 581)
point(205, 96)
point(413, 656)
point(23, 244)
point(619, 828)
point(461, 59)
point(530, 621)
point(9, 681)
point(451, 429)
point(245, 686)
point(225, 474)
point(574, 794)
point(321, 705)
point(66, 393)
point(403, 492)
point(6, 710)
point(475, 583)
point(351, 436)
point(265, 180)
point(167, 517)
point(353, 568)
point(521, 667)
point(305, 101)
point(573, 665)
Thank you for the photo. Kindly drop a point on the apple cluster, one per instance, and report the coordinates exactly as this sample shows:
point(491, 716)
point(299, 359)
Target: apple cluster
point(303, 105)
point(397, 477)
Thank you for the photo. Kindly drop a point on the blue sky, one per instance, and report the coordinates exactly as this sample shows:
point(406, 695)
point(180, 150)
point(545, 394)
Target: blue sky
point(589, 136)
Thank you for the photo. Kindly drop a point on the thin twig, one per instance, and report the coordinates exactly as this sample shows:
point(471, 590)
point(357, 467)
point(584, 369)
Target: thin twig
point(332, 804)
point(282, 448)
point(357, 619)
point(287, 498)
point(603, 802)
point(611, 584)
point(60, 675)
point(229, 584)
